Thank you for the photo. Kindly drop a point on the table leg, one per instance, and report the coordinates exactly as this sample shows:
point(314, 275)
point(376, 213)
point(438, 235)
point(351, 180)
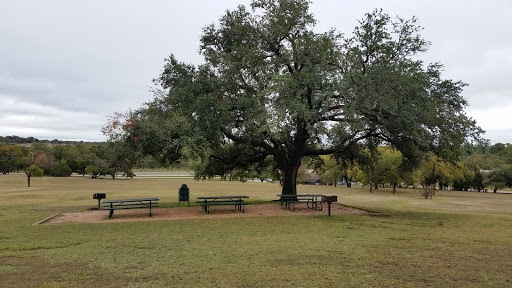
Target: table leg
point(111, 212)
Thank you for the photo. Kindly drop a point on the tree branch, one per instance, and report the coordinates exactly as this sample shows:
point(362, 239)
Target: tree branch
point(332, 118)
point(252, 141)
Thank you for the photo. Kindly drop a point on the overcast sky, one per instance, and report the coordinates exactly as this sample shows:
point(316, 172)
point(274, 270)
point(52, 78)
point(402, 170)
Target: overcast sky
point(65, 66)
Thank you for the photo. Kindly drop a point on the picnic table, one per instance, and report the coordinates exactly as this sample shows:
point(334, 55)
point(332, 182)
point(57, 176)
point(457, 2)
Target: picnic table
point(129, 204)
point(237, 201)
point(314, 200)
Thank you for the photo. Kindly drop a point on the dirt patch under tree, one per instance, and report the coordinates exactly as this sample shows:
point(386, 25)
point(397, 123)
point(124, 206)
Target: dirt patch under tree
point(195, 212)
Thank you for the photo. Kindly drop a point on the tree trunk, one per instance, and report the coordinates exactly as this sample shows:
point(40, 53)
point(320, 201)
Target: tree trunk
point(289, 178)
point(348, 181)
point(29, 174)
point(394, 187)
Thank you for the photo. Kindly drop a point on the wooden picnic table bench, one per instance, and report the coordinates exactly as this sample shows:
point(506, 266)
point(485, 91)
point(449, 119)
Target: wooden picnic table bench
point(208, 201)
point(129, 204)
point(288, 201)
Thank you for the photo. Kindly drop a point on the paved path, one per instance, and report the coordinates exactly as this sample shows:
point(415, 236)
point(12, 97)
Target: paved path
point(164, 174)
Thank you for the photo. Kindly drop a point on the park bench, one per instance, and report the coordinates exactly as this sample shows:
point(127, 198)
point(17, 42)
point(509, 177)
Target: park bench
point(313, 201)
point(236, 201)
point(112, 205)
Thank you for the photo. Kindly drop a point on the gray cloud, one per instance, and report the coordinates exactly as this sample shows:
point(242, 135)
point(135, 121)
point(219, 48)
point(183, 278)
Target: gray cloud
point(65, 66)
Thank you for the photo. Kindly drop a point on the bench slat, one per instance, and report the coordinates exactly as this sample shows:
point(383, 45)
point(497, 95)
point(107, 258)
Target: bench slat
point(122, 207)
point(225, 204)
point(133, 204)
point(228, 202)
point(238, 204)
point(112, 205)
point(220, 201)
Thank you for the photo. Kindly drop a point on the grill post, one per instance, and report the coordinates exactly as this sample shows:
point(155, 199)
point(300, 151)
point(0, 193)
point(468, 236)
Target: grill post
point(99, 196)
point(329, 200)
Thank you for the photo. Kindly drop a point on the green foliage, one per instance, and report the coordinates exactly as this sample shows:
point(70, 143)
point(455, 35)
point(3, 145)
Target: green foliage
point(389, 166)
point(478, 181)
point(435, 172)
point(501, 178)
point(498, 149)
point(92, 170)
point(63, 160)
point(33, 170)
point(17, 140)
point(61, 170)
point(330, 171)
point(101, 167)
point(10, 158)
point(148, 162)
point(464, 179)
point(488, 158)
point(272, 87)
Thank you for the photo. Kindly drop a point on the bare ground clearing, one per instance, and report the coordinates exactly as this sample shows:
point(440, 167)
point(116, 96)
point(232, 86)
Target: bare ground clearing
point(195, 212)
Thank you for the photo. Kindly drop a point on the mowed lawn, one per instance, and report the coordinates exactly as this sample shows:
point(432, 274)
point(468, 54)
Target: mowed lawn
point(457, 239)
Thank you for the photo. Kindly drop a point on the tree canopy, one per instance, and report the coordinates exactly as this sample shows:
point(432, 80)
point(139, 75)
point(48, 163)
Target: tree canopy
point(272, 87)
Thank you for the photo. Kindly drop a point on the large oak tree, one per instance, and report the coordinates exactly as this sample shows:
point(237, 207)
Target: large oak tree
point(273, 87)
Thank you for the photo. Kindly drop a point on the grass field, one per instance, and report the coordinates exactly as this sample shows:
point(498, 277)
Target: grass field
point(457, 239)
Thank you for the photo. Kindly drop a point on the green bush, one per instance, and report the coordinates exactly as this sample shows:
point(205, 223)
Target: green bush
point(61, 170)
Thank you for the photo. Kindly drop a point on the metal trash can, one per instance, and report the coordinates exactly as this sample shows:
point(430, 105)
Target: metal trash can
point(184, 194)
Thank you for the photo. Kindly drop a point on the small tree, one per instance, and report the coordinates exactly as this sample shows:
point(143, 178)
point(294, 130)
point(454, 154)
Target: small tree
point(388, 167)
point(33, 170)
point(331, 171)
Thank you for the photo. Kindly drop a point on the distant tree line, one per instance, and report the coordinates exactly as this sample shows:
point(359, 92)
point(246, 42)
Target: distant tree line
point(13, 139)
point(480, 167)
point(62, 158)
